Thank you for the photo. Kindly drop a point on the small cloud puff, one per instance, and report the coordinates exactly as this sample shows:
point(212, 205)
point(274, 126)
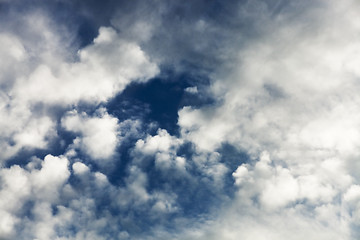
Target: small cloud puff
point(163, 147)
point(192, 90)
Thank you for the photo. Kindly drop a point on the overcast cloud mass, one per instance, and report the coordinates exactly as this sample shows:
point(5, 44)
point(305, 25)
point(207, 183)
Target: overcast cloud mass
point(164, 119)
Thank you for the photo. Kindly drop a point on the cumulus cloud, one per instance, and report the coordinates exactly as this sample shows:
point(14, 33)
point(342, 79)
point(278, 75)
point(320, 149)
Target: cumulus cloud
point(163, 147)
point(20, 186)
point(292, 95)
point(39, 72)
point(42, 83)
point(282, 77)
point(98, 134)
point(45, 203)
point(192, 90)
point(80, 168)
point(104, 68)
point(304, 88)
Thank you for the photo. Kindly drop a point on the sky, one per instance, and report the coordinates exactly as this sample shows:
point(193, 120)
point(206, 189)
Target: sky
point(184, 120)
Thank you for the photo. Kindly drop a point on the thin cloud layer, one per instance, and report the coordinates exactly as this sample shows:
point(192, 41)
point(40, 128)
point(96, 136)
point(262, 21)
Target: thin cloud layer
point(266, 138)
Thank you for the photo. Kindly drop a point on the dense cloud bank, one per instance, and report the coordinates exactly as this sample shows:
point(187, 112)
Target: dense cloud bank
point(171, 120)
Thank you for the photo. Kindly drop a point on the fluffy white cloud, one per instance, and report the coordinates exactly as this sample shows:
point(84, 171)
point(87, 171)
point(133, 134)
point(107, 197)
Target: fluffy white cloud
point(162, 142)
point(289, 98)
point(98, 134)
point(292, 88)
point(40, 68)
point(41, 72)
point(42, 186)
point(292, 93)
point(35, 132)
point(276, 187)
point(104, 69)
point(271, 203)
point(80, 168)
point(46, 224)
point(52, 176)
point(163, 147)
point(54, 208)
point(192, 90)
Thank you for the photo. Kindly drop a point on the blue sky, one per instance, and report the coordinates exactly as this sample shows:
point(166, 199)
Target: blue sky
point(179, 120)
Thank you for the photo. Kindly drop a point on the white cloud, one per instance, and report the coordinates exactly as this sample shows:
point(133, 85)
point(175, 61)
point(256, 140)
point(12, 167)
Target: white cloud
point(45, 224)
point(41, 69)
point(80, 168)
point(289, 98)
point(34, 133)
point(277, 187)
point(259, 226)
point(291, 93)
point(164, 147)
point(15, 188)
point(286, 91)
point(52, 176)
point(104, 69)
point(98, 134)
point(192, 90)
point(19, 186)
point(12, 50)
point(7, 223)
point(162, 142)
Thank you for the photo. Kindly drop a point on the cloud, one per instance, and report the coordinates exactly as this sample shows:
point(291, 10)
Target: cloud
point(80, 168)
point(292, 94)
point(94, 78)
point(42, 70)
point(283, 80)
point(98, 135)
point(192, 90)
point(49, 200)
point(312, 84)
point(164, 147)
point(21, 186)
point(43, 83)
point(35, 133)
